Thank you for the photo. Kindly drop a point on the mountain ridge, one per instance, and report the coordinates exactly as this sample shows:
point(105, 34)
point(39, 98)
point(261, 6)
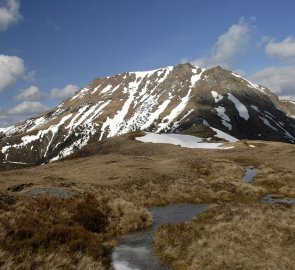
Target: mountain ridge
point(177, 98)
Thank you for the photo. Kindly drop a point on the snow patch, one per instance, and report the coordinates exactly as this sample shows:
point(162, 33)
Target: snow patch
point(95, 89)
point(217, 97)
point(222, 135)
point(15, 162)
point(41, 133)
point(252, 85)
point(224, 118)
point(195, 78)
point(241, 108)
point(186, 141)
point(106, 89)
point(177, 123)
point(267, 123)
point(155, 115)
point(175, 112)
point(255, 108)
point(115, 124)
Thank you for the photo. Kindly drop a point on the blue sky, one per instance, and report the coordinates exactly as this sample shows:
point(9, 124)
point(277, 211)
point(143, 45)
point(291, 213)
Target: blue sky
point(49, 49)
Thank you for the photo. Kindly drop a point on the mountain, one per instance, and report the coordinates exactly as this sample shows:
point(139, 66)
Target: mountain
point(288, 106)
point(182, 98)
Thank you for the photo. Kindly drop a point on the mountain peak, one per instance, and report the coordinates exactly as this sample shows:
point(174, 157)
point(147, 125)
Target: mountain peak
point(177, 98)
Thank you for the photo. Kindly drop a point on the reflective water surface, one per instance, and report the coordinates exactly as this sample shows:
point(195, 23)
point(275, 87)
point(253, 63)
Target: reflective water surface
point(135, 250)
point(250, 173)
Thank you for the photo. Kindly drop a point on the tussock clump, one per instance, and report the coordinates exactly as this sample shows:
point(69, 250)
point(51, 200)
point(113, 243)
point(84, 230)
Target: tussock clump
point(68, 233)
point(6, 200)
point(125, 216)
point(89, 215)
point(48, 224)
point(49, 261)
point(231, 236)
point(73, 233)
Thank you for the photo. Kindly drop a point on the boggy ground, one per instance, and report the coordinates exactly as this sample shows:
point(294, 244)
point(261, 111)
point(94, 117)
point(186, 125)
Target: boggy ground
point(68, 214)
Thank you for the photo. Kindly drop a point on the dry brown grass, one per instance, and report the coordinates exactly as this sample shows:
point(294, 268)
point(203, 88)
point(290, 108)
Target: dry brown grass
point(137, 169)
point(126, 217)
point(51, 233)
point(231, 236)
point(49, 261)
point(125, 176)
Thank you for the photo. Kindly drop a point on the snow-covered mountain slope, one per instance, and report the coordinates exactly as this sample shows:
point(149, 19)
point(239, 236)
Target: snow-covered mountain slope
point(172, 99)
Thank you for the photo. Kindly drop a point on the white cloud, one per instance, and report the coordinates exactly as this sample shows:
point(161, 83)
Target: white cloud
point(12, 68)
point(30, 94)
point(280, 80)
point(227, 46)
point(27, 108)
point(9, 13)
point(65, 92)
point(284, 51)
point(264, 40)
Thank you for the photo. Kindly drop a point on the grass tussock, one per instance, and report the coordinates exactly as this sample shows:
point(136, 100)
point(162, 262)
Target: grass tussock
point(51, 233)
point(231, 236)
point(50, 261)
point(126, 217)
point(276, 181)
point(197, 181)
point(6, 201)
point(126, 176)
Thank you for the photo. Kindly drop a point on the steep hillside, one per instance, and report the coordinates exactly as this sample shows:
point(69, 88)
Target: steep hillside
point(288, 106)
point(183, 98)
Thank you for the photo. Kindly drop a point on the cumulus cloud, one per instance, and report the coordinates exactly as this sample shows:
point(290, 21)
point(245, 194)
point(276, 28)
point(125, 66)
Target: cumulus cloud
point(227, 46)
point(65, 92)
point(12, 68)
point(27, 108)
point(280, 80)
point(9, 13)
point(284, 51)
point(30, 94)
point(20, 112)
point(263, 40)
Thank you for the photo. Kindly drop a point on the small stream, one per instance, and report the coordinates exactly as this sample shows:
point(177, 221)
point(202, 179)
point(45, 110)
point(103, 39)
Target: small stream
point(135, 250)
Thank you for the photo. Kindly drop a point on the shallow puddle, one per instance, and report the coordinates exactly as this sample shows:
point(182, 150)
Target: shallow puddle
point(272, 198)
point(135, 250)
point(250, 173)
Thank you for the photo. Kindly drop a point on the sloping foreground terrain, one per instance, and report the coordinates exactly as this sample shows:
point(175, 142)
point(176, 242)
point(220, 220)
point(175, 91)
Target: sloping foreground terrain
point(68, 214)
point(183, 98)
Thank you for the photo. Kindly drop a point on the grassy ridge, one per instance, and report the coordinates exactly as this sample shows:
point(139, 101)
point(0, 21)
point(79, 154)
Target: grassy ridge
point(124, 177)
